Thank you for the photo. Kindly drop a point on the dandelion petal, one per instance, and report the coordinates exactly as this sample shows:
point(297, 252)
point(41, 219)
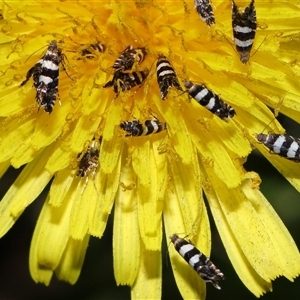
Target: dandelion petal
point(148, 281)
point(143, 163)
point(14, 137)
point(24, 154)
point(187, 192)
point(100, 207)
point(126, 237)
point(113, 120)
point(38, 272)
point(110, 154)
point(14, 202)
point(84, 131)
point(176, 128)
point(11, 102)
point(60, 158)
point(80, 209)
point(150, 178)
point(49, 127)
point(4, 167)
point(255, 283)
point(287, 252)
point(198, 229)
point(94, 98)
point(52, 229)
point(149, 215)
point(60, 186)
point(261, 246)
point(69, 267)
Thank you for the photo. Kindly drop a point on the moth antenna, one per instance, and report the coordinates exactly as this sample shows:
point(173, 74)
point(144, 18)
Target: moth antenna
point(268, 125)
point(35, 52)
point(258, 46)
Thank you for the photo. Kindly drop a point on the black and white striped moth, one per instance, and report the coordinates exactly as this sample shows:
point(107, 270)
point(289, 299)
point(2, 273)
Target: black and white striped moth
point(129, 57)
point(125, 81)
point(282, 144)
point(198, 261)
point(87, 52)
point(244, 28)
point(166, 76)
point(45, 75)
point(205, 11)
point(136, 128)
point(209, 100)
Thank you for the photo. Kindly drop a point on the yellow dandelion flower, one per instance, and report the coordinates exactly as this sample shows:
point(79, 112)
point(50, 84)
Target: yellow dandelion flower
point(81, 132)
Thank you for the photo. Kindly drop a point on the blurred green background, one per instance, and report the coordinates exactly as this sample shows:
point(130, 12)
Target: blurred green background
point(97, 280)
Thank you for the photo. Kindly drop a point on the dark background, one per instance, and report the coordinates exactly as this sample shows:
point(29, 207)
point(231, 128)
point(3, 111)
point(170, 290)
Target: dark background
point(97, 281)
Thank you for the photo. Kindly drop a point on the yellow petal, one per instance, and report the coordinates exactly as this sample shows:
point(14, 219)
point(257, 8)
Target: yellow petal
point(142, 163)
point(11, 101)
point(14, 202)
point(38, 272)
point(255, 283)
point(258, 119)
point(95, 97)
point(149, 215)
point(184, 186)
point(53, 229)
point(212, 148)
point(288, 13)
point(60, 186)
point(113, 120)
point(80, 208)
point(24, 154)
point(3, 167)
point(84, 131)
point(60, 158)
point(100, 207)
point(72, 260)
point(161, 170)
point(49, 127)
point(110, 153)
point(149, 205)
point(232, 137)
point(148, 281)
point(190, 284)
point(171, 110)
point(285, 247)
point(126, 237)
point(14, 136)
point(274, 95)
point(217, 157)
point(227, 133)
point(251, 231)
